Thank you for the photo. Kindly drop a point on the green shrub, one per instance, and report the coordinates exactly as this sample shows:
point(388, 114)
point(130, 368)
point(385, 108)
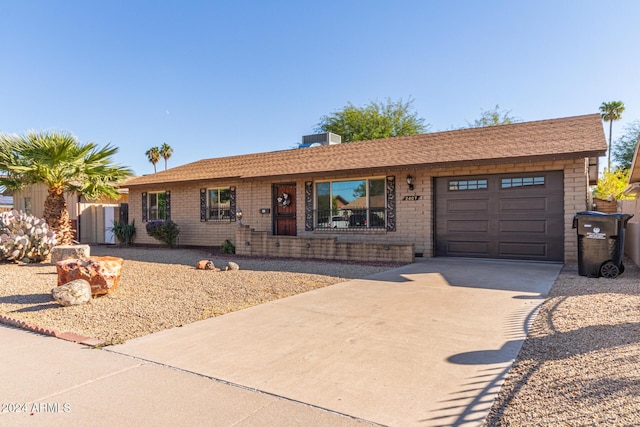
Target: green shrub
point(164, 231)
point(24, 237)
point(124, 232)
point(227, 247)
point(611, 185)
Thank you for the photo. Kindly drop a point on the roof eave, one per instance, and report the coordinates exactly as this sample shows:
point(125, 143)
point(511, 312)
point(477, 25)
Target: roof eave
point(633, 188)
point(182, 181)
point(520, 159)
point(634, 176)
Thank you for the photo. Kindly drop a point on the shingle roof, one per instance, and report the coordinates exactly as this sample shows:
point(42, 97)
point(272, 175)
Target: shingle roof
point(580, 136)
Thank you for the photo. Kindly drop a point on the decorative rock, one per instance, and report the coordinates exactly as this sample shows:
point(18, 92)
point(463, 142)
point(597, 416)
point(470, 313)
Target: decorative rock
point(62, 252)
point(205, 264)
point(75, 292)
point(102, 273)
point(232, 266)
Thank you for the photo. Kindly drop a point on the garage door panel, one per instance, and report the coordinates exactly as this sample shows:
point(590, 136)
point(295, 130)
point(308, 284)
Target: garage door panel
point(470, 205)
point(523, 226)
point(467, 248)
point(519, 249)
point(516, 222)
point(467, 226)
point(523, 204)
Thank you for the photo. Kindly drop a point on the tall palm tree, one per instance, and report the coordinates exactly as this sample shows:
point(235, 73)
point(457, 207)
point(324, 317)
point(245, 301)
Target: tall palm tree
point(166, 151)
point(153, 154)
point(59, 161)
point(611, 111)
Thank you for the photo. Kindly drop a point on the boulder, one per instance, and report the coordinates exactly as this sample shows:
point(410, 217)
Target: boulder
point(102, 273)
point(232, 266)
point(75, 292)
point(205, 264)
point(62, 252)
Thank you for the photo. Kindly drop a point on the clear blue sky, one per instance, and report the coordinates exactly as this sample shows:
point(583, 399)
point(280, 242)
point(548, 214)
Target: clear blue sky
point(214, 78)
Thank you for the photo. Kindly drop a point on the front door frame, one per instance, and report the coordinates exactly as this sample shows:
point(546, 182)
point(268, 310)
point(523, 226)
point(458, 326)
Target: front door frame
point(286, 216)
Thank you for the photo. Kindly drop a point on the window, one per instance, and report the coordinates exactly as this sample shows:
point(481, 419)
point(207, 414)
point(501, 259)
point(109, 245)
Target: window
point(469, 184)
point(351, 205)
point(219, 204)
point(522, 181)
point(157, 206)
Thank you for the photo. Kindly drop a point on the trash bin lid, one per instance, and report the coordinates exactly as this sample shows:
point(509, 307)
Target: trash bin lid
point(590, 213)
point(618, 215)
point(609, 224)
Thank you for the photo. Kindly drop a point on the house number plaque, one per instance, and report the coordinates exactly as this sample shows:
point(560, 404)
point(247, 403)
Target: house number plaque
point(411, 198)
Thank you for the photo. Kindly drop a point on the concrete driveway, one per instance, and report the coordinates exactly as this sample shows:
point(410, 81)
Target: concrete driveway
point(426, 344)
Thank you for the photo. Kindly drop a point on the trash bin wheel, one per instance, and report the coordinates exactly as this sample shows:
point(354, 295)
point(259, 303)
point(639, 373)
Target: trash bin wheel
point(609, 270)
point(621, 268)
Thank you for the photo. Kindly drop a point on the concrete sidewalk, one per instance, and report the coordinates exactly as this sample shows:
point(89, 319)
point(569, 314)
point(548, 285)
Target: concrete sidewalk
point(46, 381)
point(425, 344)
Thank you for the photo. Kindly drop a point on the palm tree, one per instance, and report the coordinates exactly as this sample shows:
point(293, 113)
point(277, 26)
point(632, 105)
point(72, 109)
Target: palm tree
point(611, 111)
point(165, 151)
point(153, 154)
point(59, 161)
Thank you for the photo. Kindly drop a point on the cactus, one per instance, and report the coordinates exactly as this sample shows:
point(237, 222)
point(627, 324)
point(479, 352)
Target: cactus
point(24, 237)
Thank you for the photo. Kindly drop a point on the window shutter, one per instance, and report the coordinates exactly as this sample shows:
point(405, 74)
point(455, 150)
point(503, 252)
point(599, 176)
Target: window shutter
point(203, 204)
point(168, 201)
point(145, 218)
point(391, 203)
point(308, 206)
point(232, 203)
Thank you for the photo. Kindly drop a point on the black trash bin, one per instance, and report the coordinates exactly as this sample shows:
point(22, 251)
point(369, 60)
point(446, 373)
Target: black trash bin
point(600, 243)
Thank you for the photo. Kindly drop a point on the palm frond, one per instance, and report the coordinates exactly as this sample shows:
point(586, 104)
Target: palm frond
point(58, 159)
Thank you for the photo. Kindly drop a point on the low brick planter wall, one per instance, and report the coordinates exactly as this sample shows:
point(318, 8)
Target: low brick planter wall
point(260, 243)
point(606, 206)
point(59, 253)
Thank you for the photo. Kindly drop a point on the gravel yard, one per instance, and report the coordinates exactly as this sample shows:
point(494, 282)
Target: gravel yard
point(161, 289)
point(580, 364)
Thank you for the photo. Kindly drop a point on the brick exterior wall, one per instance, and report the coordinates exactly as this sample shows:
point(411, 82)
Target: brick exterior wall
point(260, 243)
point(576, 199)
point(606, 206)
point(414, 218)
point(185, 211)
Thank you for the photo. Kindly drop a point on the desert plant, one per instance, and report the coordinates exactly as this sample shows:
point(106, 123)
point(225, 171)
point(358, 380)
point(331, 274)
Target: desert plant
point(64, 165)
point(124, 232)
point(164, 231)
point(24, 237)
point(611, 185)
point(228, 247)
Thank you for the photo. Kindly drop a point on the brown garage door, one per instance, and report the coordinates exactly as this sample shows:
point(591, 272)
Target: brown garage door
point(516, 216)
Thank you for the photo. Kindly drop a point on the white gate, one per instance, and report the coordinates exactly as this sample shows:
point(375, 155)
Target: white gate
point(109, 216)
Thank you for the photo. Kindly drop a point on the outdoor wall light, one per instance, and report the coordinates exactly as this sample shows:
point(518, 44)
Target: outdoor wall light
point(410, 182)
point(239, 216)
